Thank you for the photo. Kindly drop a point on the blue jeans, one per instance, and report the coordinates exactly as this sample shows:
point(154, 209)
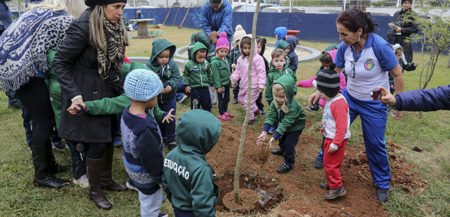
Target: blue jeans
point(373, 120)
point(150, 204)
point(78, 158)
point(236, 90)
point(168, 129)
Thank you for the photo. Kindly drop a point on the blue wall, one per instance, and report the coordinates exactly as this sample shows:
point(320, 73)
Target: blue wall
point(313, 27)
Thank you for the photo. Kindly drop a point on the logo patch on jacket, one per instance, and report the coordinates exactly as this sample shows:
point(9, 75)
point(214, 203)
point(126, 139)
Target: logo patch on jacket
point(369, 64)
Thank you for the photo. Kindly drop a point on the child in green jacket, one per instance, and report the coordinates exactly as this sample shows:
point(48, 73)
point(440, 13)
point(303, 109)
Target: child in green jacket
point(278, 69)
point(188, 178)
point(291, 117)
point(197, 78)
point(161, 62)
point(221, 76)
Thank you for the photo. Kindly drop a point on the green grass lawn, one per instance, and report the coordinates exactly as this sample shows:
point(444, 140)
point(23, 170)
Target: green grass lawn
point(429, 130)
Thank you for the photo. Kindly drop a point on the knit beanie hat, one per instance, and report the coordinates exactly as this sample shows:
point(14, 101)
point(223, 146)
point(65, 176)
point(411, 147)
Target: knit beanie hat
point(93, 3)
point(239, 32)
point(142, 85)
point(328, 82)
point(222, 42)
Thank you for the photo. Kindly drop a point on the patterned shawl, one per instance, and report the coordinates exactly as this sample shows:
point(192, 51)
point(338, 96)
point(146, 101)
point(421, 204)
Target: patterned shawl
point(24, 45)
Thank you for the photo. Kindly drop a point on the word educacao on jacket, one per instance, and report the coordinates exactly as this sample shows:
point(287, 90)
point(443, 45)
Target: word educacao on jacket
point(181, 170)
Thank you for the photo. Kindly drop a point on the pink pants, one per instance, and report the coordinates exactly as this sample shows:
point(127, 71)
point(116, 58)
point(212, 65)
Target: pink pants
point(242, 98)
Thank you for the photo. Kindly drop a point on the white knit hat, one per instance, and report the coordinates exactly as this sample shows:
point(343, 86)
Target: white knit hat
point(239, 32)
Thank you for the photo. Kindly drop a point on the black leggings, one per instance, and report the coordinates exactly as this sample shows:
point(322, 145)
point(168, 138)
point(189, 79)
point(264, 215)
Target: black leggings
point(96, 150)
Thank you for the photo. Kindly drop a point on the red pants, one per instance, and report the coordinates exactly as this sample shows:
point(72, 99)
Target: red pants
point(332, 163)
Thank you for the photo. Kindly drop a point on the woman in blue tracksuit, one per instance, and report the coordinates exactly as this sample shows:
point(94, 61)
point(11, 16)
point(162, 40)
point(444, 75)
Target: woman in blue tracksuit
point(367, 58)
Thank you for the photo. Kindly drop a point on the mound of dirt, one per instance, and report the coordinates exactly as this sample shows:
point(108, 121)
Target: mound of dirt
point(301, 185)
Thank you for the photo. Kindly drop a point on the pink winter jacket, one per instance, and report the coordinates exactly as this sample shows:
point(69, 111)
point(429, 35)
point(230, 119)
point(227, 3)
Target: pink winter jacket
point(258, 70)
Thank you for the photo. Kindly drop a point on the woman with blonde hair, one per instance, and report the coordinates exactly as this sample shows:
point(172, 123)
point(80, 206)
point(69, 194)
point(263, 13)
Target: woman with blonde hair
point(23, 66)
point(88, 68)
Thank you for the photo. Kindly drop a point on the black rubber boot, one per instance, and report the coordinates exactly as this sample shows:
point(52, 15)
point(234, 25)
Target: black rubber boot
point(42, 175)
point(107, 181)
point(94, 170)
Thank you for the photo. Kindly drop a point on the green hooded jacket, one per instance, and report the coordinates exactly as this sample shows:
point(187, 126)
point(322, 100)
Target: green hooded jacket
point(169, 74)
point(105, 106)
point(292, 121)
point(188, 179)
point(273, 75)
point(204, 39)
point(197, 74)
point(220, 71)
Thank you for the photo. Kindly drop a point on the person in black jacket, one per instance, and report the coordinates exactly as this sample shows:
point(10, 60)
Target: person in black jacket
point(404, 26)
point(87, 66)
point(418, 100)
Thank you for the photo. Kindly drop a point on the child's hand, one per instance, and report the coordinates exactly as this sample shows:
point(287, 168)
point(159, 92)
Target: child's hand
point(261, 138)
point(398, 114)
point(187, 89)
point(233, 83)
point(261, 90)
point(220, 90)
point(416, 64)
point(271, 141)
point(331, 150)
point(167, 89)
point(169, 117)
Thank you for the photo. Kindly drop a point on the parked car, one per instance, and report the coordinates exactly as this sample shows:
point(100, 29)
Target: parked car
point(249, 8)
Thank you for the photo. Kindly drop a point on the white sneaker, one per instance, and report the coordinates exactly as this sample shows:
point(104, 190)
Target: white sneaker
point(82, 181)
point(130, 186)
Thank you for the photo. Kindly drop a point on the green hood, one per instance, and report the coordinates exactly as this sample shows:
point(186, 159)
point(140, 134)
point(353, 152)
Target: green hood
point(288, 82)
point(203, 38)
point(282, 44)
point(158, 46)
point(197, 46)
point(197, 131)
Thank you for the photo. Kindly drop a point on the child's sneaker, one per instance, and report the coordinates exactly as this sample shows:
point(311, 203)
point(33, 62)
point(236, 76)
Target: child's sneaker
point(277, 151)
point(224, 117)
point(263, 112)
point(318, 163)
point(117, 141)
point(335, 193)
point(131, 186)
point(235, 101)
point(272, 130)
point(228, 114)
point(171, 145)
point(284, 168)
point(313, 108)
point(82, 181)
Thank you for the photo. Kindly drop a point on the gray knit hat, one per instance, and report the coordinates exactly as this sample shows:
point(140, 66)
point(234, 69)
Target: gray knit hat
point(142, 85)
point(328, 82)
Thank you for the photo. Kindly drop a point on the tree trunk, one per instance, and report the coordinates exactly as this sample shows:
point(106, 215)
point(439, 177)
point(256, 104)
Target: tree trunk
point(237, 172)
